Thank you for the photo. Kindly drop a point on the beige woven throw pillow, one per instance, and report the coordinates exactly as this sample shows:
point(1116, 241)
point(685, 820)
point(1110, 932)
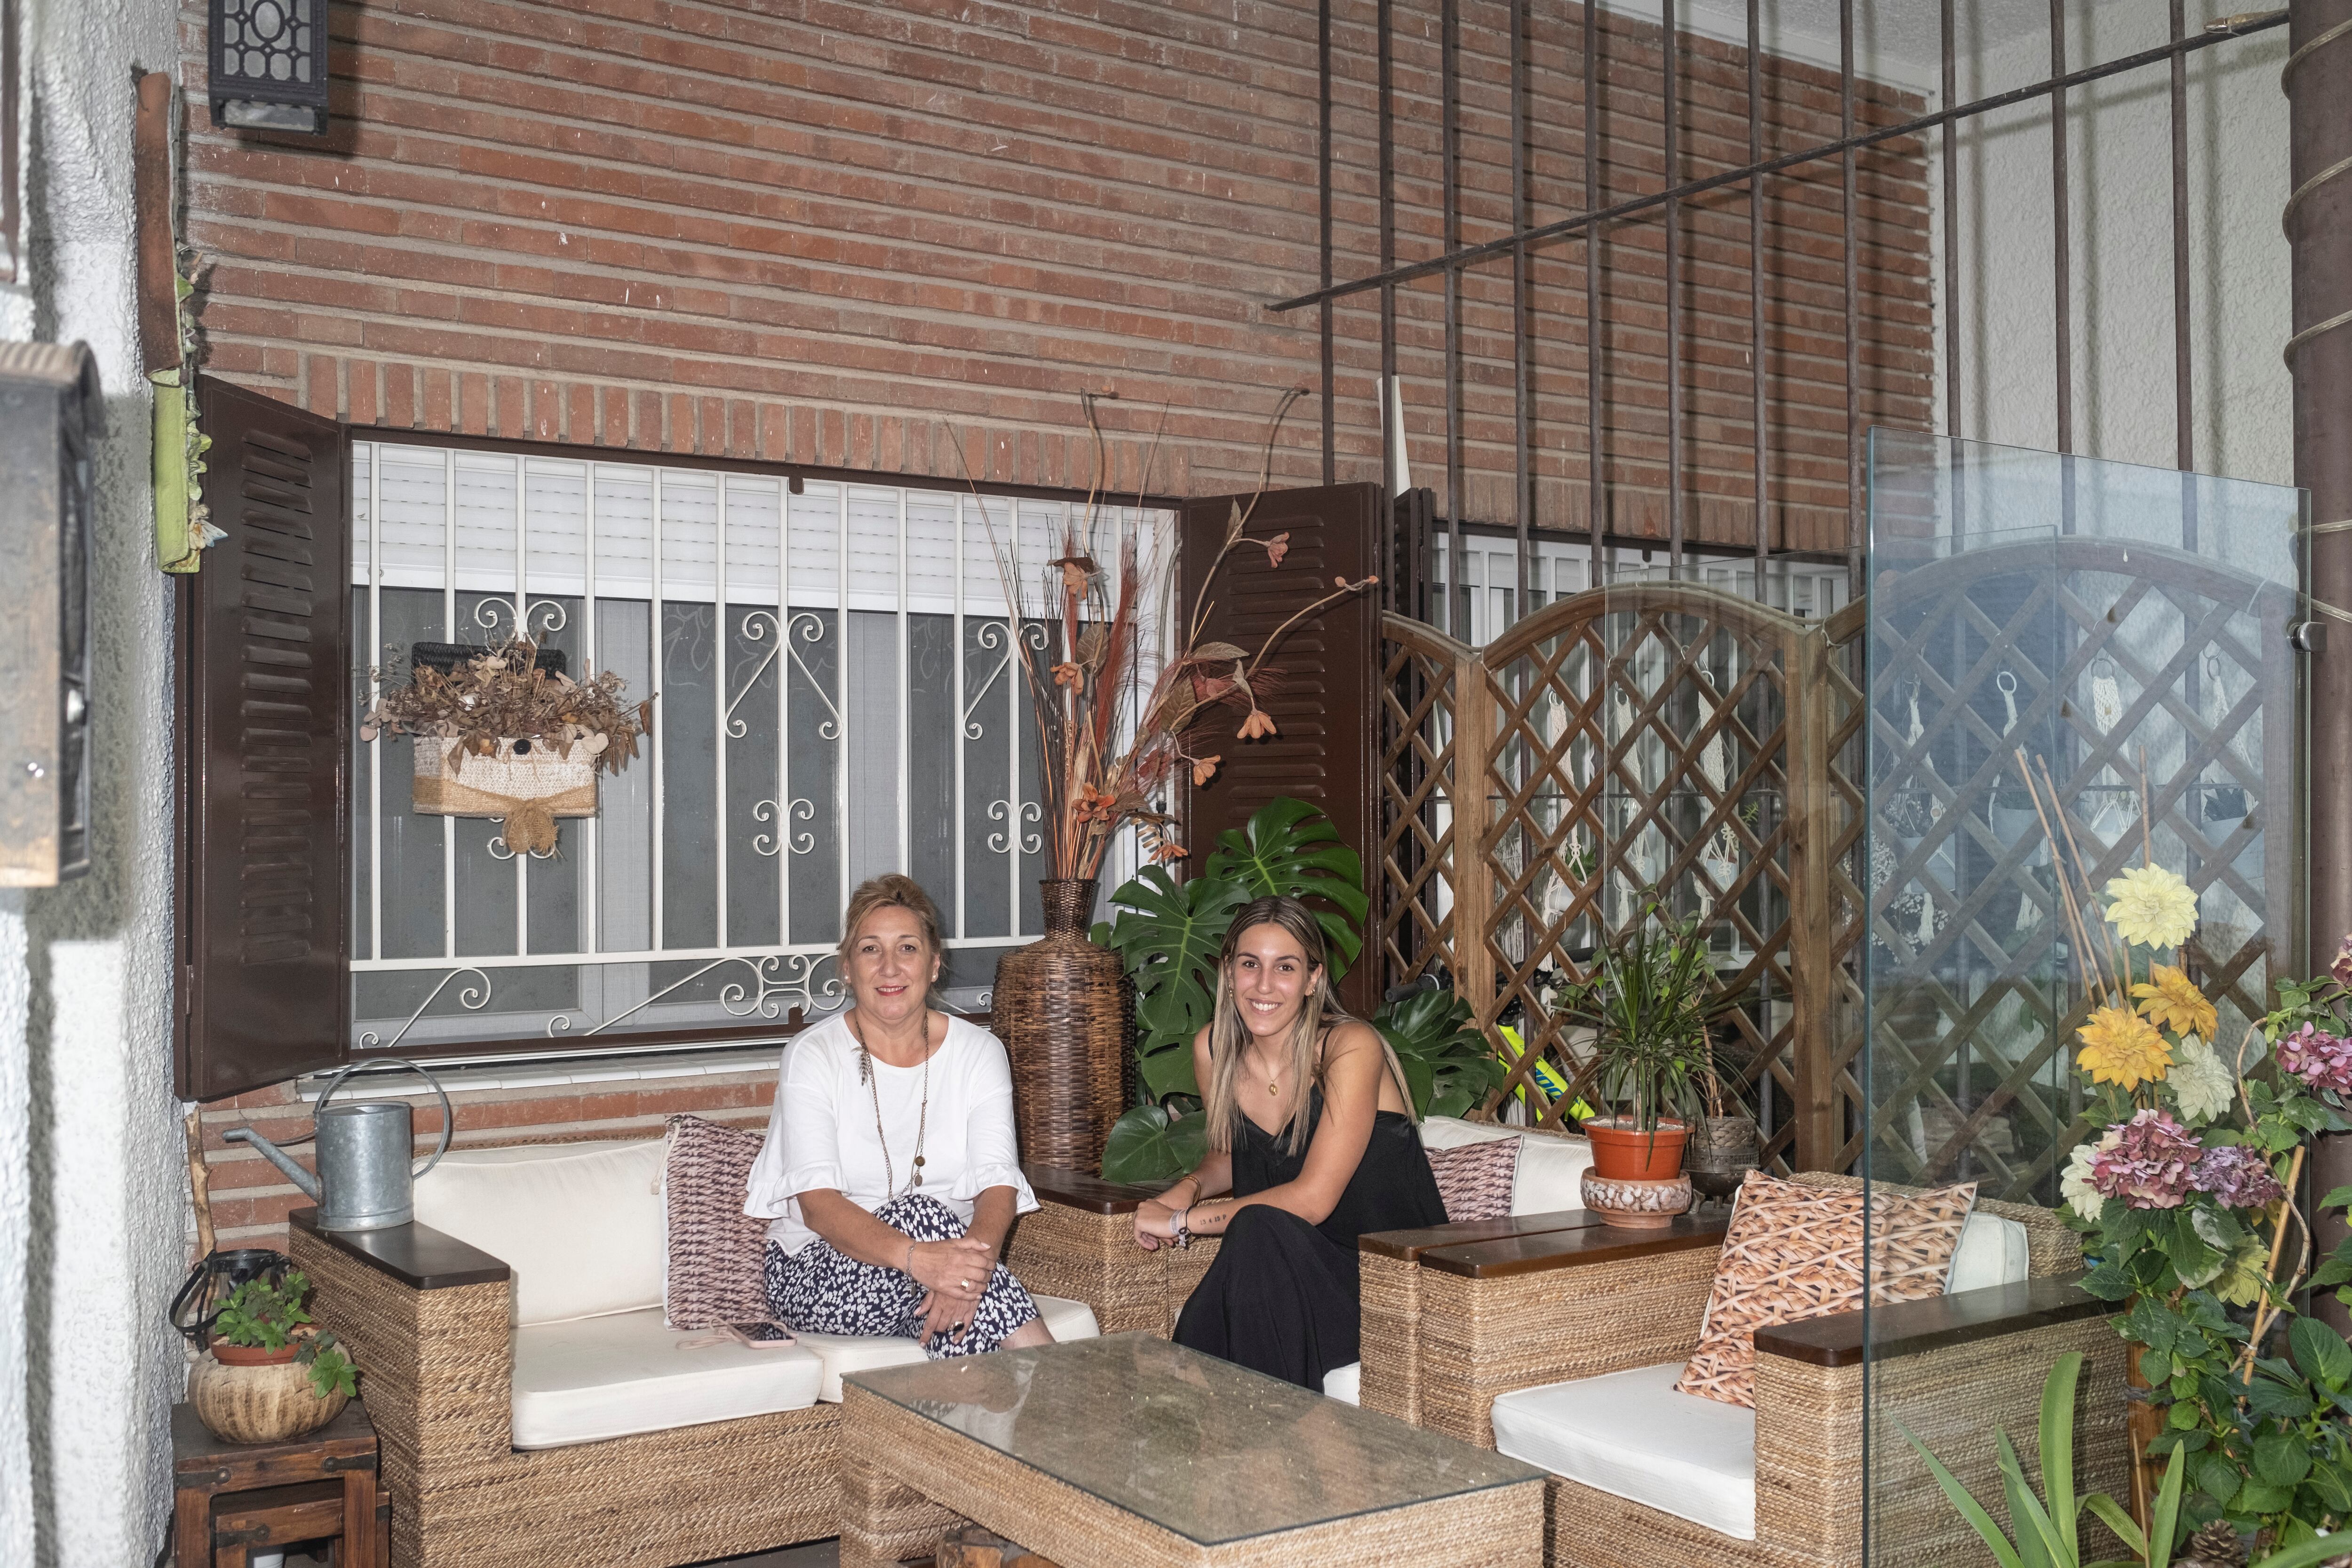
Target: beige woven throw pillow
point(1476, 1180)
point(718, 1254)
point(1795, 1252)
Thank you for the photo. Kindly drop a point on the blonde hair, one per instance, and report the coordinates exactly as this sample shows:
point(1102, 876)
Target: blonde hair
point(1229, 1034)
point(892, 890)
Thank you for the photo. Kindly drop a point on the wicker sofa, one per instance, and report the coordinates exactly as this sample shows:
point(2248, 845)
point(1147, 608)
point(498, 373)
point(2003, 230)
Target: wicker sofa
point(1577, 1331)
point(530, 1406)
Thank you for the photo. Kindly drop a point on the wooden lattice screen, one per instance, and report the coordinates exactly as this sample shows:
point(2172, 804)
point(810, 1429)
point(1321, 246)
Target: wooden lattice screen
point(1669, 736)
point(1649, 736)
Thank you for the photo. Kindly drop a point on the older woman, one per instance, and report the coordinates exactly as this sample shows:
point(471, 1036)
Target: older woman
point(889, 1169)
point(1312, 1143)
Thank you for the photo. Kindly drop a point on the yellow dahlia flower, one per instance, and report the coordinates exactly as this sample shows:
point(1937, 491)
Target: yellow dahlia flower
point(2170, 1000)
point(2152, 907)
point(2121, 1048)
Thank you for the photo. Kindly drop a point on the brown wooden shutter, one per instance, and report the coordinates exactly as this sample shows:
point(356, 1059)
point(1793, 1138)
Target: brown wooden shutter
point(1326, 708)
point(265, 655)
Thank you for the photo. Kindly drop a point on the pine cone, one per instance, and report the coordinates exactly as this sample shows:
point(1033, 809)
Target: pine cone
point(2215, 1546)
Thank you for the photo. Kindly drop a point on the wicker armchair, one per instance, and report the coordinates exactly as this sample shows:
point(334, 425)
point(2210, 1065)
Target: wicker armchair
point(426, 1317)
point(1530, 1312)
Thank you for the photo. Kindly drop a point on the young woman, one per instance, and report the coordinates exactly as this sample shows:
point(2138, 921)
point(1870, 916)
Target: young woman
point(889, 1168)
point(1312, 1143)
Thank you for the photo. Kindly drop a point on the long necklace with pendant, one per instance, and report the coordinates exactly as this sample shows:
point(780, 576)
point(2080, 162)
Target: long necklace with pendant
point(866, 1076)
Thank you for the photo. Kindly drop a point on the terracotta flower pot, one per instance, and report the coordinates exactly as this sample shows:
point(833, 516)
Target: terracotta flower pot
point(268, 1400)
point(1622, 1152)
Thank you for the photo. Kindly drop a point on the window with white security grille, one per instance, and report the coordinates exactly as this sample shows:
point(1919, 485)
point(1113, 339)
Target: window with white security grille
point(834, 698)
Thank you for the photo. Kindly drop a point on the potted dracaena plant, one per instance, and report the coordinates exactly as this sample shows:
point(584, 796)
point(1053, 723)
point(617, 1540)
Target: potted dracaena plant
point(268, 1374)
point(1651, 999)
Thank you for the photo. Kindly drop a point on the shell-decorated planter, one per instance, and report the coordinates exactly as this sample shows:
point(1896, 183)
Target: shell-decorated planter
point(527, 784)
point(266, 1402)
point(1633, 1204)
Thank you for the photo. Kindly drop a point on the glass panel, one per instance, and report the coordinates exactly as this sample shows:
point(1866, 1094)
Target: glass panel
point(1123, 1419)
point(2073, 668)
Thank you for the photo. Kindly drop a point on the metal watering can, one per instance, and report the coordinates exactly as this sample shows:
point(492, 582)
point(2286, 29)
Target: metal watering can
point(364, 1180)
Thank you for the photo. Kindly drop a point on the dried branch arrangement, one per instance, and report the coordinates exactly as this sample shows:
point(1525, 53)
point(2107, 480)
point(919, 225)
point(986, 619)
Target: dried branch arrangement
point(1086, 664)
point(504, 695)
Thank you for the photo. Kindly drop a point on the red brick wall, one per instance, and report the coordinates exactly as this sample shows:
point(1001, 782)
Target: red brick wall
point(811, 230)
point(808, 231)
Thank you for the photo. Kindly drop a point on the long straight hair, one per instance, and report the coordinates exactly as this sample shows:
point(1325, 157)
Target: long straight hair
point(1229, 1035)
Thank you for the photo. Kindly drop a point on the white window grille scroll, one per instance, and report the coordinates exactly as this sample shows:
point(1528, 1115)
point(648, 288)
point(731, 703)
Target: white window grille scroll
point(835, 697)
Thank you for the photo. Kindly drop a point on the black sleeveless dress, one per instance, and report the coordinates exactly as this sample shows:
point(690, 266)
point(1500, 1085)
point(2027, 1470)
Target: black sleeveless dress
point(1282, 1296)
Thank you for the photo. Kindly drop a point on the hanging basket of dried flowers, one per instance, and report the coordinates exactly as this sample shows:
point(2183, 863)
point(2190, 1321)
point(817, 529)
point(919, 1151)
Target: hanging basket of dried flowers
point(497, 736)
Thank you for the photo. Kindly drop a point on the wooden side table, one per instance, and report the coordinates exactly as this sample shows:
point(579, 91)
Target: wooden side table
point(233, 1498)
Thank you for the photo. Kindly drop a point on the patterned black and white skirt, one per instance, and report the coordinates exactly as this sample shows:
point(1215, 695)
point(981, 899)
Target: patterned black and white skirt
point(818, 1290)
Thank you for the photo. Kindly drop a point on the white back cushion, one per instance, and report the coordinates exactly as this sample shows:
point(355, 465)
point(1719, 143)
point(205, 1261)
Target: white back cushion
point(1551, 1166)
point(581, 1224)
point(1993, 1251)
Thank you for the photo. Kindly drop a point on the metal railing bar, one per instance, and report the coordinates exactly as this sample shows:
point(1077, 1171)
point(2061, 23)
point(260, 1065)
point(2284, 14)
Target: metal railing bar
point(521, 629)
point(1390, 276)
point(1522, 411)
point(1596, 505)
point(1330, 407)
point(1756, 255)
point(376, 694)
point(591, 893)
point(1951, 171)
point(2061, 235)
point(449, 621)
point(1669, 73)
point(1392, 417)
point(722, 642)
point(661, 722)
point(1449, 49)
point(1849, 213)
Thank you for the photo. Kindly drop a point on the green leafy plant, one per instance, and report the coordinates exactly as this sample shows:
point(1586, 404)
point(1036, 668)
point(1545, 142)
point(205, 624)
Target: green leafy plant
point(2045, 1531)
point(1448, 1065)
point(1651, 999)
point(265, 1314)
point(1168, 934)
point(1290, 848)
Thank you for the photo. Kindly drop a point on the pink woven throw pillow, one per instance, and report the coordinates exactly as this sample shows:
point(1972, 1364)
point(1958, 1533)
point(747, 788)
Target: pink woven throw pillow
point(1476, 1179)
point(1795, 1252)
point(718, 1254)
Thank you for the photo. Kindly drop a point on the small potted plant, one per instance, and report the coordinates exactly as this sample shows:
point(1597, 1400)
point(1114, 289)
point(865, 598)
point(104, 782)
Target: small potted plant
point(1651, 999)
point(267, 1375)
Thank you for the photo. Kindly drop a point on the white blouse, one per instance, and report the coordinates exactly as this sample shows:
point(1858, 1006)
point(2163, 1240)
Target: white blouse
point(820, 1130)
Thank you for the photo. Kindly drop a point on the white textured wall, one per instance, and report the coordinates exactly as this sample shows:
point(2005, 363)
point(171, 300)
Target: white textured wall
point(92, 1196)
point(2121, 178)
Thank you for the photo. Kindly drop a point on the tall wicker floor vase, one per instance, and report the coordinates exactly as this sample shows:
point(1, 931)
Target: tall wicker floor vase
point(1066, 1015)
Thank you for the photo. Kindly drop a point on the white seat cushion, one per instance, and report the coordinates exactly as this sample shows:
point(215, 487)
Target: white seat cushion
point(1993, 1251)
point(579, 1225)
point(1630, 1435)
point(592, 1378)
point(1552, 1165)
point(1345, 1384)
point(1065, 1319)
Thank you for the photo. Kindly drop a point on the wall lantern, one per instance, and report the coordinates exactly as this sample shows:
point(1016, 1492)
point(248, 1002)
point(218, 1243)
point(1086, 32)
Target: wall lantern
point(269, 64)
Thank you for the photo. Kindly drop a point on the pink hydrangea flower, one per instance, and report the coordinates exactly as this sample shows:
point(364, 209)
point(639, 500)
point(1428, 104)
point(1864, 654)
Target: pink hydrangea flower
point(2238, 1178)
point(2342, 967)
point(2321, 1059)
point(2151, 1165)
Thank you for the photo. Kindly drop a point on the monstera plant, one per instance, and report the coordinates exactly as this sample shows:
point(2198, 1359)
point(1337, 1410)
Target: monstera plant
point(1168, 934)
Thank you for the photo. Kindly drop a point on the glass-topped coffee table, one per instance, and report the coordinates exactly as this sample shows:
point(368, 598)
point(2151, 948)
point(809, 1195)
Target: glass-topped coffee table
point(1131, 1450)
